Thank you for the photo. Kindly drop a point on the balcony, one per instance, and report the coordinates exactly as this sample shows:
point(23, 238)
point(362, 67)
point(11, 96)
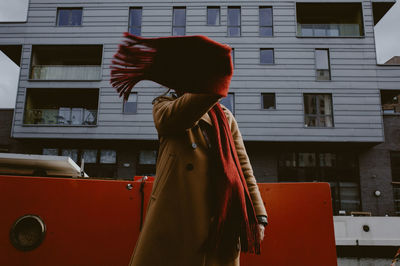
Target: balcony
point(61, 107)
point(390, 102)
point(61, 116)
point(328, 30)
point(66, 72)
point(66, 62)
point(329, 20)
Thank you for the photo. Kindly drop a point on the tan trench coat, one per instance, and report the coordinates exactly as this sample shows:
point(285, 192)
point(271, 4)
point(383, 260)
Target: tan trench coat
point(178, 214)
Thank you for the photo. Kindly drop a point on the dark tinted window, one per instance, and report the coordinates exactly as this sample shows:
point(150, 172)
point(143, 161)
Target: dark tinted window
point(268, 101)
point(318, 110)
point(265, 20)
point(179, 21)
point(69, 17)
point(234, 21)
point(213, 15)
point(266, 56)
point(395, 163)
point(135, 21)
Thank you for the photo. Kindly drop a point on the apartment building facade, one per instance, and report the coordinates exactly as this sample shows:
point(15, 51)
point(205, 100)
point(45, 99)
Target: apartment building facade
point(310, 99)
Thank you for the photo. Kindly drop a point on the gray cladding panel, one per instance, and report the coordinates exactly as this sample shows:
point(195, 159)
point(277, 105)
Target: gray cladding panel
point(356, 79)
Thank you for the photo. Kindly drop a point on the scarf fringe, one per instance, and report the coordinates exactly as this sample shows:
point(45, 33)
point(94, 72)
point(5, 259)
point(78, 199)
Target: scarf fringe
point(131, 63)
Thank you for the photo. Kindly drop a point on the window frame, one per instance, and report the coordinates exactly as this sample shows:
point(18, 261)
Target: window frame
point(240, 21)
point(329, 64)
point(130, 26)
point(262, 101)
point(219, 15)
point(273, 56)
point(259, 21)
point(173, 20)
point(68, 8)
point(318, 115)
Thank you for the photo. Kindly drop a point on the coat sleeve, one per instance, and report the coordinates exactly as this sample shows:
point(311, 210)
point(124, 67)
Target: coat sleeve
point(246, 168)
point(176, 115)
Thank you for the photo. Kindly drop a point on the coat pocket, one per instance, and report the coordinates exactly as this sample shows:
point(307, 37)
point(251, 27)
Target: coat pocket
point(161, 178)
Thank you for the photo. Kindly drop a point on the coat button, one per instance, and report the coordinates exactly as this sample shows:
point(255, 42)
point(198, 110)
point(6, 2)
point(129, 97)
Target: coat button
point(194, 145)
point(189, 167)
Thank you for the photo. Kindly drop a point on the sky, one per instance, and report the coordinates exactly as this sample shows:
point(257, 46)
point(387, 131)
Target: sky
point(9, 73)
point(387, 34)
point(387, 38)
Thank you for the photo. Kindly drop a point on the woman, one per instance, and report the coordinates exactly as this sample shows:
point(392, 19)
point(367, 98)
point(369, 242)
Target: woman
point(205, 206)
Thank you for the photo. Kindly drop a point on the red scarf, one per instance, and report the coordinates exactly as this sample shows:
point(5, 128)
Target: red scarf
point(235, 214)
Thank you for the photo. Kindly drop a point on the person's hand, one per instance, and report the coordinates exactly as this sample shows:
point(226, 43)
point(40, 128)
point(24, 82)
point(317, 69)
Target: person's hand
point(261, 230)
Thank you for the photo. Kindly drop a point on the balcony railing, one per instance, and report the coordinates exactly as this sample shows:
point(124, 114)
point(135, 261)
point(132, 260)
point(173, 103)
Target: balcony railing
point(62, 72)
point(61, 116)
point(391, 108)
point(328, 30)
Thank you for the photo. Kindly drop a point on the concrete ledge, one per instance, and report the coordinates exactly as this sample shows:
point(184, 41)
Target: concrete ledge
point(367, 231)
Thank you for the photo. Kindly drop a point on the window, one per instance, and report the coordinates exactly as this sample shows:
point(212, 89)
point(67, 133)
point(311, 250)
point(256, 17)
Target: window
point(89, 156)
point(50, 151)
point(61, 106)
point(97, 164)
point(268, 100)
point(135, 21)
point(72, 153)
point(229, 102)
point(395, 165)
point(329, 20)
point(147, 162)
point(265, 21)
point(390, 100)
point(69, 17)
point(66, 62)
point(318, 110)
point(322, 64)
point(213, 16)
point(179, 21)
point(339, 169)
point(108, 156)
point(267, 56)
point(130, 106)
point(234, 21)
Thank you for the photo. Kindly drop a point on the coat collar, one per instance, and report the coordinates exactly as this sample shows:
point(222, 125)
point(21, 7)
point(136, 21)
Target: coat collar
point(206, 118)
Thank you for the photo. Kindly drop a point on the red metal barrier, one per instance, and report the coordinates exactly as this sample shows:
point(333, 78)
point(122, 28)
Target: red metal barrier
point(96, 222)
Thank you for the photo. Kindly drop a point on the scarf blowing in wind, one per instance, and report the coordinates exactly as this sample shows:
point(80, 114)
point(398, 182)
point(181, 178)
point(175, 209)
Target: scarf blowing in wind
point(197, 64)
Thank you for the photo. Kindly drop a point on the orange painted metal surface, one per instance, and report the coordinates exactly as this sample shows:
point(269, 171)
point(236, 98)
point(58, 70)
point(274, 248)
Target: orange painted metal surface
point(300, 230)
point(96, 222)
